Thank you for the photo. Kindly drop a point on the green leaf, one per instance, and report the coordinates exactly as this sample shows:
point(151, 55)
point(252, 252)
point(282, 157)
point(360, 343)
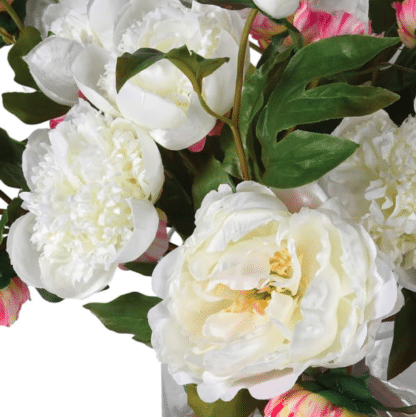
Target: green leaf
point(332, 101)
point(143, 268)
point(3, 221)
point(127, 314)
point(48, 296)
point(128, 65)
point(302, 157)
point(209, 178)
point(28, 39)
point(341, 400)
point(33, 108)
point(311, 386)
point(14, 210)
point(242, 405)
point(194, 66)
point(11, 161)
point(6, 270)
point(336, 54)
point(382, 16)
point(403, 352)
point(231, 4)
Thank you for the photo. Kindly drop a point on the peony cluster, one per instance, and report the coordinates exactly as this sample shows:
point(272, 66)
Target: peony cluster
point(377, 183)
point(258, 294)
point(93, 182)
point(87, 41)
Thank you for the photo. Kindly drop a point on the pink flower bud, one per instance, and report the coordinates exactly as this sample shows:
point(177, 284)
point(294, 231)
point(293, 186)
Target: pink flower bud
point(263, 29)
point(299, 402)
point(2, 9)
point(406, 19)
point(316, 25)
point(11, 299)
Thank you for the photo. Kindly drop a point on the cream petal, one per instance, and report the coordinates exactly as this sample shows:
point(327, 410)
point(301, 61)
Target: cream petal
point(146, 222)
point(87, 68)
point(278, 8)
point(358, 8)
point(50, 65)
point(23, 255)
point(34, 152)
point(190, 130)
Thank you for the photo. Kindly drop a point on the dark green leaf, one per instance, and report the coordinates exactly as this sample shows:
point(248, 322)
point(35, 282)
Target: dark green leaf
point(6, 270)
point(403, 352)
point(3, 221)
point(332, 101)
point(128, 65)
point(382, 16)
point(143, 268)
point(302, 157)
point(231, 4)
point(242, 405)
point(311, 386)
point(342, 401)
point(33, 108)
point(11, 161)
point(194, 66)
point(48, 296)
point(336, 54)
point(14, 210)
point(209, 178)
point(28, 39)
point(127, 314)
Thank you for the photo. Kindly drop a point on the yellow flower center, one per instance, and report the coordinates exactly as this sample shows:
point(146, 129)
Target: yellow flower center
point(281, 264)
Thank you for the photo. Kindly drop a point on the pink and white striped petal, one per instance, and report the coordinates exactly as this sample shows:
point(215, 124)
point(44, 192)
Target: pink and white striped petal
point(316, 25)
point(406, 19)
point(11, 299)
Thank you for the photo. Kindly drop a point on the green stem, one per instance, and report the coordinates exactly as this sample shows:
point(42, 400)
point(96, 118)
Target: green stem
point(7, 38)
point(188, 162)
point(9, 9)
point(255, 47)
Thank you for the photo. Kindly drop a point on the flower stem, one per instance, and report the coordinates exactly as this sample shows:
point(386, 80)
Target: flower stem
point(5, 197)
point(9, 9)
point(7, 38)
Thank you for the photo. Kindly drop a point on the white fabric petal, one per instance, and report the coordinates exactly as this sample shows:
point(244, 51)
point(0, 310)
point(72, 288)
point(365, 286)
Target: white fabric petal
point(50, 65)
point(23, 255)
point(358, 8)
point(277, 8)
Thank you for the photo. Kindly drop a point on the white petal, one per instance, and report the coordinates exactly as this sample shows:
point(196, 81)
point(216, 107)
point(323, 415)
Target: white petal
point(278, 8)
point(359, 8)
point(50, 65)
point(146, 221)
point(23, 255)
point(87, 69)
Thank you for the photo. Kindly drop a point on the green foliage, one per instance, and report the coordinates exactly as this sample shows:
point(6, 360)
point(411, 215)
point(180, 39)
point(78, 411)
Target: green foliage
point(6, 269)
point(143, 268)
point(403, 352)
point(230, 4)
point(194, 66)
point(7, 23)
point(348, 391)
point(48, 296)
point(11, 161)
point(126, 314)
point(33, 108)
point(209, 178)
point(28, 39)
point(383, 17)
point(337, 54)
point(3, 221)
point(242, 405)
point(302, 157)
point(14, 210)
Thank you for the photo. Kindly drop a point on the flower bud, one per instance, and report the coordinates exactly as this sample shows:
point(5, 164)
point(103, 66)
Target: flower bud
point(11, 299)
point(406, 19)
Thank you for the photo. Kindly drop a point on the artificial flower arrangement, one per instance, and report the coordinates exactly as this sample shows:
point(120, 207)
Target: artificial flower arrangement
point(292, 189)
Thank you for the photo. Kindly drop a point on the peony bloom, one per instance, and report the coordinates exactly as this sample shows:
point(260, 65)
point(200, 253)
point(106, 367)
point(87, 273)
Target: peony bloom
point(93, 180)
point(406, 19)
point(11, 299)
point(376, 184)
point(258, 294)
point(277, 8)
point(298, 402)
point(161, 98)
point(316, 25)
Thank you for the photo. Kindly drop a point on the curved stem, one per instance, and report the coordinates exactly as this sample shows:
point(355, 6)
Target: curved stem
point(9, 9)
point(5, 197)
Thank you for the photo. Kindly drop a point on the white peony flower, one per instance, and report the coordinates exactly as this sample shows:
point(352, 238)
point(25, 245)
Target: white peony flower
point(161, 98)
point(93, 180)
point(277, 8)
point(377, 184)
point(256, 295)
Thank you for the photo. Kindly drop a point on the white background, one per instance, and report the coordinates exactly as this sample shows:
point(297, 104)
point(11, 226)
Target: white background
point(58, 360)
